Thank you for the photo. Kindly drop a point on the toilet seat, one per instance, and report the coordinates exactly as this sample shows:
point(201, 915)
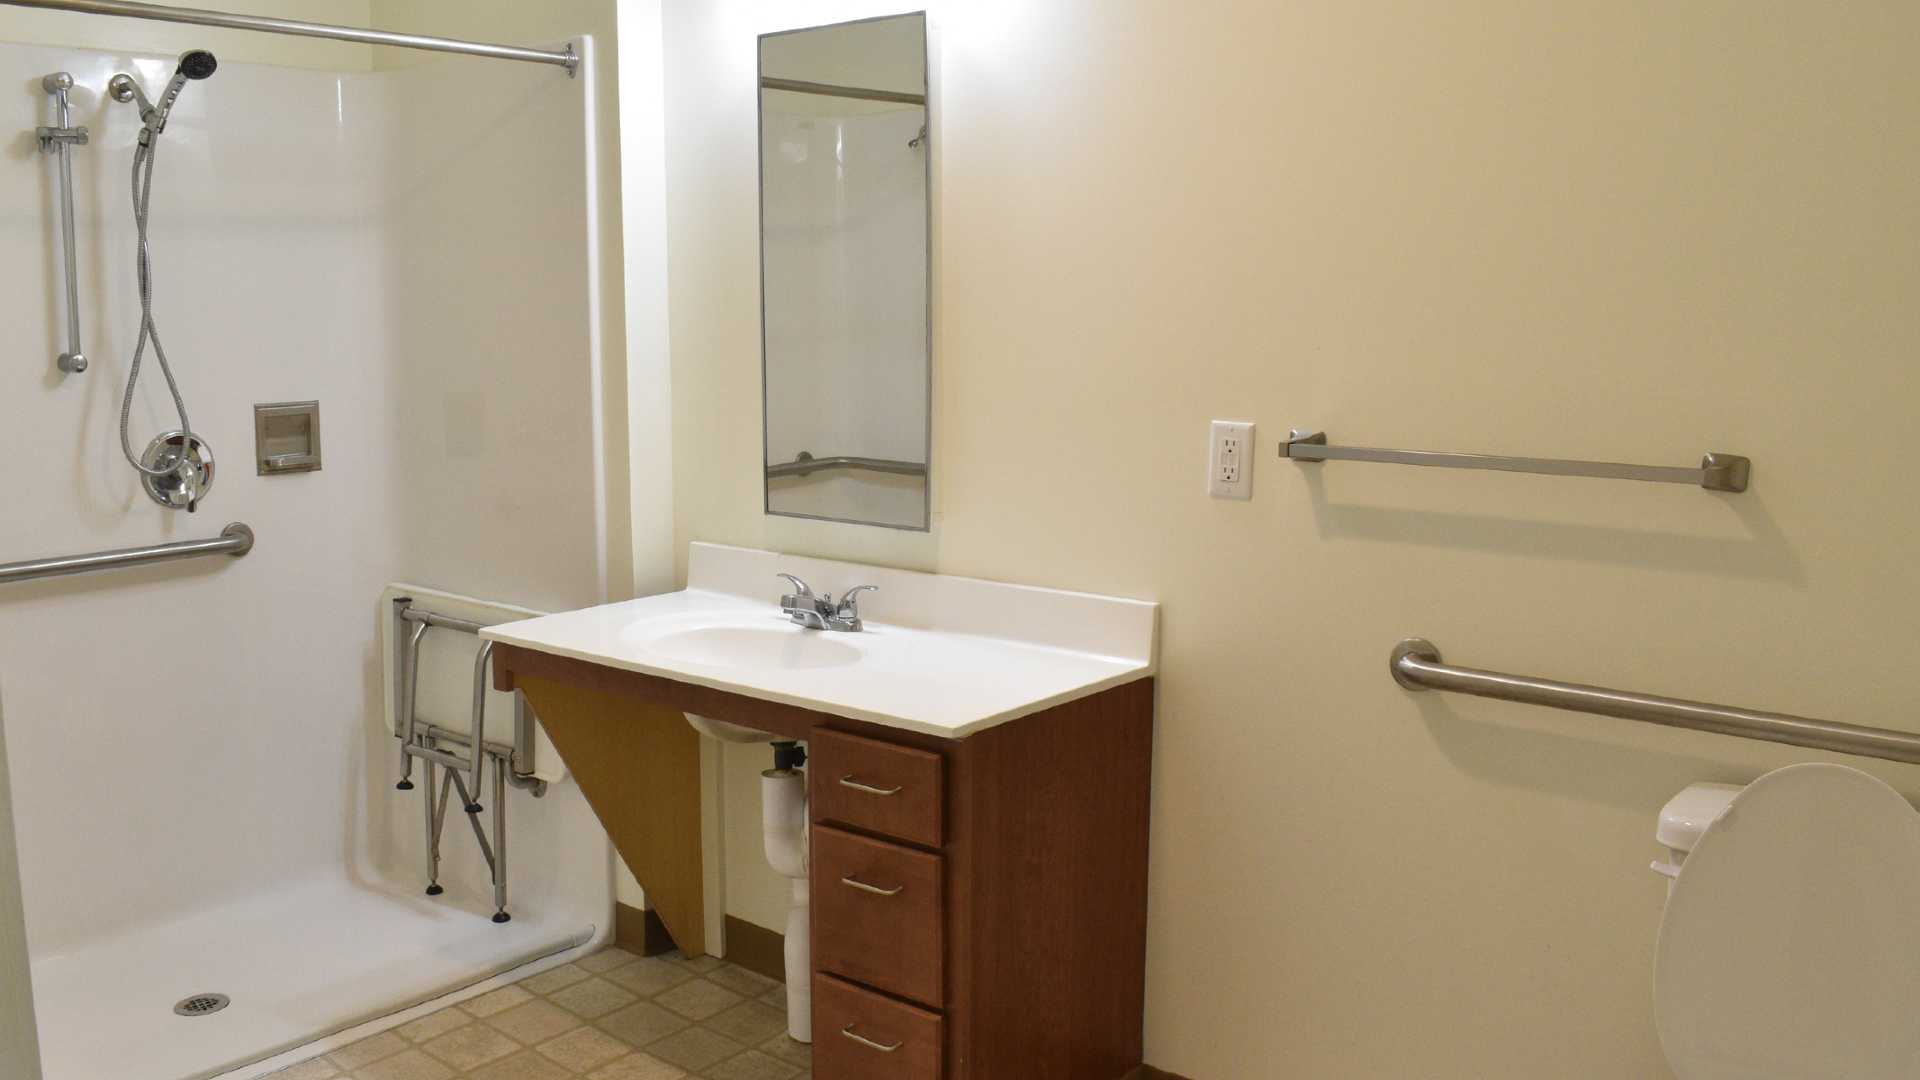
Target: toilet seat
point(1790, 947)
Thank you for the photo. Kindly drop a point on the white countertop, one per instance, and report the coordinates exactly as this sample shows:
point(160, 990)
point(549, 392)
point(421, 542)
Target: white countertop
point(940, 655)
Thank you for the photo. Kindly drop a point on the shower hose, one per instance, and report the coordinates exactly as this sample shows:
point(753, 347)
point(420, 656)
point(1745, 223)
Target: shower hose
point(143, 260)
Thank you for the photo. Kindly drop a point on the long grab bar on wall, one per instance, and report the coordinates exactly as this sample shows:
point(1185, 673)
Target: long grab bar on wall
point(236, 540)
point(198, 17)
point(59, 140)
point(1416, 665)
point(1716, 472)
point(805, 464)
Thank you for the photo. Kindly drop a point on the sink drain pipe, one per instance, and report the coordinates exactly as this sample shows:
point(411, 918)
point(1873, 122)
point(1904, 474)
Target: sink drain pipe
point(783, 817)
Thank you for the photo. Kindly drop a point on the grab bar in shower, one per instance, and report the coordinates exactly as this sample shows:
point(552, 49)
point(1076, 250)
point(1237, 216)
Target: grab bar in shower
point(1416, 665)
point(236, 540)
point(59, 140)
point(805, 464)
point(197, 17)
point(1716, 471)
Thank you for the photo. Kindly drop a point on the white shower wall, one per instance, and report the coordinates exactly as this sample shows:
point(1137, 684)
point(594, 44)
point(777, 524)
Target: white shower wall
point(413, 249)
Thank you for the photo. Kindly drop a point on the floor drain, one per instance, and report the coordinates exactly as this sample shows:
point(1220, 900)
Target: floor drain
point(202, 1004)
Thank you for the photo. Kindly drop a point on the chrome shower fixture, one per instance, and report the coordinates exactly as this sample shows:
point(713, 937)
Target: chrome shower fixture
point(177, 468)
point(194, 65)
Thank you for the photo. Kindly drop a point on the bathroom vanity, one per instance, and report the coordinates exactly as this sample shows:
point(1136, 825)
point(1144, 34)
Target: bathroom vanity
point(980, 762)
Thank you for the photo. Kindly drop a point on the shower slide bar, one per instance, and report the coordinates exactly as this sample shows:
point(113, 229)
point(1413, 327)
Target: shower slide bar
point(463, 775)
point(805, 464)
point(1416, 665)
point(59, 140)
point(198, 17)
point(1716, 472)
point(236, 540)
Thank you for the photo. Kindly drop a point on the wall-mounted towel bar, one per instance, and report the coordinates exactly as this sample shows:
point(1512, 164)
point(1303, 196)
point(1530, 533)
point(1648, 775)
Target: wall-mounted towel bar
point(1716, 472)
point(236, 540)
point(1416, 665)
point(805, 463)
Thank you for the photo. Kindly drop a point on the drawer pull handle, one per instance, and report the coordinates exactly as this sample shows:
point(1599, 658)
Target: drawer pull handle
point(868, 1043)
point(876, 890)
point(848, 781)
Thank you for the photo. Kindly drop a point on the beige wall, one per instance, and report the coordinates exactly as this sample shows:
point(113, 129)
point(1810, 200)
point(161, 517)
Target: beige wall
point(1615, 231)
point(143, 35)
point(19, 1041)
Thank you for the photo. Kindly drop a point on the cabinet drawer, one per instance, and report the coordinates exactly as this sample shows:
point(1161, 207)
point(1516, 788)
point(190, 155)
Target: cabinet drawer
point(859, 1035)
point(879, 915)
point(877, 786)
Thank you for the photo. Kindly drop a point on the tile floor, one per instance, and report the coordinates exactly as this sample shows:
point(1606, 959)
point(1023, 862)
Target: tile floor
point(609, 1016)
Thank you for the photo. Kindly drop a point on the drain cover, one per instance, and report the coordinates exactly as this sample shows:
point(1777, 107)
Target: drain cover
point(202, 1004)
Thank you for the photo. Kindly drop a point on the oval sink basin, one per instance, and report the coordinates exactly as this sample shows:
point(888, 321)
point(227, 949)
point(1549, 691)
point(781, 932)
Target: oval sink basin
point(754, 646)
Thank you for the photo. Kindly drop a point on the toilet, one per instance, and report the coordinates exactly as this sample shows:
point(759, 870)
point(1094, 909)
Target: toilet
point(1790, 943)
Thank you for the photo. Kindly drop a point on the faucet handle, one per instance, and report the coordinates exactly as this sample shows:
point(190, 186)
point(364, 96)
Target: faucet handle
point(800, 590)
point(850, 602)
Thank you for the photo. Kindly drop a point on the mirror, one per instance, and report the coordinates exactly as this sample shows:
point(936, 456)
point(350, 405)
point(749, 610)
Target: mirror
point(844, 155)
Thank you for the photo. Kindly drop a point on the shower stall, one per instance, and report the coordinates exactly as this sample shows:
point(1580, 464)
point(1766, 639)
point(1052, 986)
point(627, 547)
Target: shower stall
point(201, 765)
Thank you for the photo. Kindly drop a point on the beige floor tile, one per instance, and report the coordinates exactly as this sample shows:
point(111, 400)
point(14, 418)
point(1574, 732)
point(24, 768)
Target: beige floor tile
point(642, 1023)
point(525, 1065)
point(470, 1047)
point(606, 960)
point(367, 1051)
point(752, 1065)
point(554, 978)
point(407, 1065)
point(584, 1048)
point(700, 964)
point(498, 1001)
point(536, 1021)
point(595, 997)
point(749, 1022)
point(786, 1049)
point(433, 1025)
point(698, 999)
point(741, 981)
point(650, 975)
point(317, 1069)
point(695, 1048)
point(776, 997)
point(638, 1067)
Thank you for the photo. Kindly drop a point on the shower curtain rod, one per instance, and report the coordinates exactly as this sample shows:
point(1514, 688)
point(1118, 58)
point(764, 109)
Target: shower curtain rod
point(197, 17)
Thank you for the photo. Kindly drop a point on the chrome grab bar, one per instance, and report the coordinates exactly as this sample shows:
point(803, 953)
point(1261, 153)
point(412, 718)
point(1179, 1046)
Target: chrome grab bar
point(198, 17)
point(236, 540)
point(1716, 472)
point(1416, 665)
point(805, 464)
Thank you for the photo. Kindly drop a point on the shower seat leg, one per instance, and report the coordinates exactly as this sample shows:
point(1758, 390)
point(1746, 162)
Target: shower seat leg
point(436, 819)
point(500, 766)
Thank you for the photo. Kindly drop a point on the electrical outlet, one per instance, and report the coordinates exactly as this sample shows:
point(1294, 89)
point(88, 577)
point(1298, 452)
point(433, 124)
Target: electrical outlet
point(1230, 460)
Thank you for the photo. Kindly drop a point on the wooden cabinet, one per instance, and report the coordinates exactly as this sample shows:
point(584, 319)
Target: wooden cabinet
point(979, 905)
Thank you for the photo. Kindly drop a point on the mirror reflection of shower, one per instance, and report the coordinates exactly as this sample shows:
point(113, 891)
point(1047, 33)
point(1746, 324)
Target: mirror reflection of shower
point(177, 467)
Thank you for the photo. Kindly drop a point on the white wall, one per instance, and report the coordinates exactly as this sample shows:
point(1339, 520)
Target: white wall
point(633, 404)
point(1602, 231)
point(19, 1039)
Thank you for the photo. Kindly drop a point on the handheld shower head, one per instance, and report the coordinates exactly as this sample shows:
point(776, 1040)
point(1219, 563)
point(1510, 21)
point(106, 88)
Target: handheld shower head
point(197, 64)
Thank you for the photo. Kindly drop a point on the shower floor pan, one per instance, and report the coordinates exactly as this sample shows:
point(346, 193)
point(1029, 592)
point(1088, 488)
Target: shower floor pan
point(298, 964)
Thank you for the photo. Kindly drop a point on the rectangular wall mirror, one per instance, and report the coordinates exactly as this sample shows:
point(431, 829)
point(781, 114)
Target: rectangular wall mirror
point(844, 168)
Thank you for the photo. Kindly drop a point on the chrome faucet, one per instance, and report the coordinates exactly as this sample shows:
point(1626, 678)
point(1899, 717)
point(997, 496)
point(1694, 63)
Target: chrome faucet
point(819, 612)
